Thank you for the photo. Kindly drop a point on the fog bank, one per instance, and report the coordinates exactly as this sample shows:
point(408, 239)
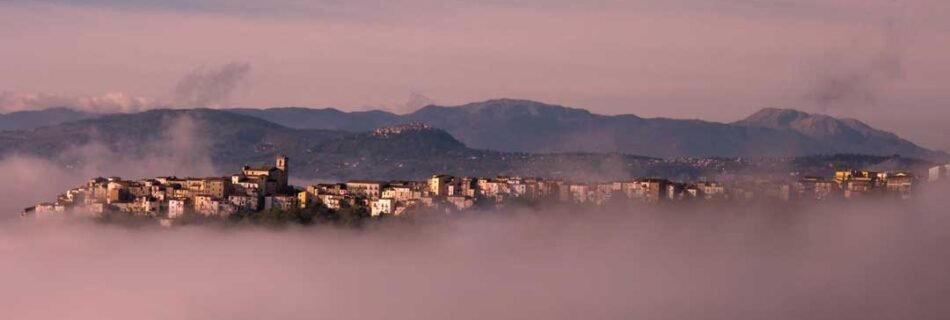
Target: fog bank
point(850, 261)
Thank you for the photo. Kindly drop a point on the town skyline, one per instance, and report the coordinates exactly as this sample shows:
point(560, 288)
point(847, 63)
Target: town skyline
point(260, 190)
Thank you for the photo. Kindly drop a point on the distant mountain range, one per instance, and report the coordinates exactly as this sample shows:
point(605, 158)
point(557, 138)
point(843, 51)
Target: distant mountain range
point(321, 151)
point(528, 126)
point(503, 125)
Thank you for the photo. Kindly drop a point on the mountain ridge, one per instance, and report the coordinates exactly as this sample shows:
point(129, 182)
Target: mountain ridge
point(407, 151)
point(851, 134)
point(516, 125)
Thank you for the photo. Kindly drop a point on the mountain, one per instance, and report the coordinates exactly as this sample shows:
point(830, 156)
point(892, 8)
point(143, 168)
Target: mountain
point(509, 125)
point(847, 135)
point(405, 151)
point(41, 118)
point(527, 126)
point(228, 137)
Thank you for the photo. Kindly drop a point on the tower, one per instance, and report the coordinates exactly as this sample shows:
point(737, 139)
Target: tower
point(284, 175)
point(282, 163)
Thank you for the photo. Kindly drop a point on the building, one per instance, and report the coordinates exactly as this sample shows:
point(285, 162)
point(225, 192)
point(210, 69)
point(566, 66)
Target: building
point(651, 190)
point(439, 184)
point(216, 187)
point(400, 193)
point(281, 202)
point(580, 193)
point(366, 188)
point(711, 190)
point(333, 201)
point(245, 202)
point(271, 180)
point(176, 208)
point(382, 206)
point(305, 199)
point(899, 184)
point(460, 202)
point(817, 188)
point(938, 173)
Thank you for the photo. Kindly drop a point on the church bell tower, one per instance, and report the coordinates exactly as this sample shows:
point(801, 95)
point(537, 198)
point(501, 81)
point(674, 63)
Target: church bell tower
point(284, 174)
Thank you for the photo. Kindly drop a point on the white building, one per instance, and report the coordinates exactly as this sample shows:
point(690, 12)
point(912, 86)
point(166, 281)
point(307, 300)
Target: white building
point(366, 188)
point(401, 193)
point(382, 206)
point(176, 208)
point(248, 202)
point(939, 173)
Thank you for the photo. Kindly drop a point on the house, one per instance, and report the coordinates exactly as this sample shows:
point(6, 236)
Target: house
point(938, 173)
point(366, 188)
point(711, 190)
point(245, 202)
point(281, 202)
point(176, 208)
point(382, 206)
point(400, 193)
point(460, 202)
point(439, 184)
point(271, 180)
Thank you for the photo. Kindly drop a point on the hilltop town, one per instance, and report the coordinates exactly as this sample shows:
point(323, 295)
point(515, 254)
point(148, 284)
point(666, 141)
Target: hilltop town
point(257, 189)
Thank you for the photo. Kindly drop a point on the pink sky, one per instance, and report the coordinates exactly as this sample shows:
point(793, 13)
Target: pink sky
point(884, 62)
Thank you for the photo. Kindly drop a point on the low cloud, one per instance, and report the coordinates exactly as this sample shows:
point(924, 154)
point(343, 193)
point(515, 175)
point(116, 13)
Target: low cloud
point(851, 261)
point(177, 149)
point(203, 87)
point(106, 103)
point(844, 82)
point(211, 87)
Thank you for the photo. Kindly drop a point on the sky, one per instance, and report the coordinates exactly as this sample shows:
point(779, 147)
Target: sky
point(883, 62)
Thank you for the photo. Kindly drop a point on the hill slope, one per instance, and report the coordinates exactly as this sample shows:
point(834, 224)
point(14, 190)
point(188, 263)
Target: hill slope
point(21, 120)
point(330, 119)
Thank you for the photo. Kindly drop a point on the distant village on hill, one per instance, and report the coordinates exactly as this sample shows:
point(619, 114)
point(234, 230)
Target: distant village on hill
point(266, 189)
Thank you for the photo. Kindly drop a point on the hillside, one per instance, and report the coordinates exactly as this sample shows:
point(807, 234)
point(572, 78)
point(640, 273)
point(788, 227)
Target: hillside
point(227, 137)
point(328, 118)
point(21, 120)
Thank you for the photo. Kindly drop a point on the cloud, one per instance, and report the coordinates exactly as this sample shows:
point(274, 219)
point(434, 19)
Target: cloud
point(203, 87)
point(106, 103)
point(842, 81)
point(177, 149)
point(415, 102)
point(209, 87)
point(856, 261)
